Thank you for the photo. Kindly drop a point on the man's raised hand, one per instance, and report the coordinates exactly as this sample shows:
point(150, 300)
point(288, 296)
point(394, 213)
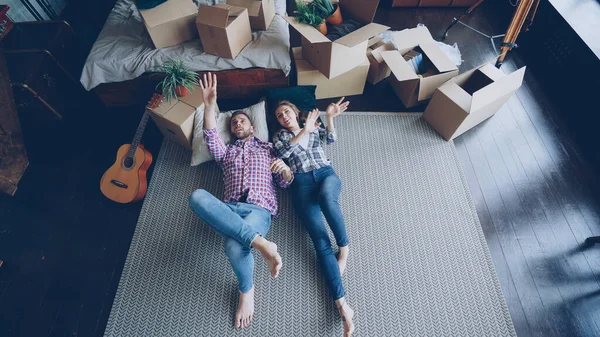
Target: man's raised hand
point(209, 89)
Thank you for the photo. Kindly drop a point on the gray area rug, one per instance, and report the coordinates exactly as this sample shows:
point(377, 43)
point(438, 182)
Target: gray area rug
point(419, 263)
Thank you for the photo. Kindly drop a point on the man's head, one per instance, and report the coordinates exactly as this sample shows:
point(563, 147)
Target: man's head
point(240, 125)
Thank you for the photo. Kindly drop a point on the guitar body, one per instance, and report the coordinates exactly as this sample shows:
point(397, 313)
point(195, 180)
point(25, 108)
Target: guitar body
point(125, 184)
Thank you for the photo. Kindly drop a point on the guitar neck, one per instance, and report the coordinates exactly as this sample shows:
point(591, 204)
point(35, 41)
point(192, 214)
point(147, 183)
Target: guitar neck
point(138, 134)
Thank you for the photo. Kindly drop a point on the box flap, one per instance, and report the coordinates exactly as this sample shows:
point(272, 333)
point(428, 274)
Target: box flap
point(376, 52)
point(441, 62)
point(374, 40)
point(407, 39)
point(213, 15)
point(398, 66)
point(168, 11)
point(297, 52)
point(362, 11)
point(504, 86)
point(308, 32)
point(253, 6)
point(234, 11)
point(361, 34)
point(492, 72)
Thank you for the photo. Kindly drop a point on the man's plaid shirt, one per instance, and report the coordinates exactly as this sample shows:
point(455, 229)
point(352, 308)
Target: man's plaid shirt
point(302, 160)
point(246, 170)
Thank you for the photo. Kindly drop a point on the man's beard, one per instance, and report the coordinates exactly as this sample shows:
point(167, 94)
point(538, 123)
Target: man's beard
point(243, 136)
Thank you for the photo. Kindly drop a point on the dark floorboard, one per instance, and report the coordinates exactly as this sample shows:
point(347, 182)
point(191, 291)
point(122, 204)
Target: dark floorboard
point(64, 244)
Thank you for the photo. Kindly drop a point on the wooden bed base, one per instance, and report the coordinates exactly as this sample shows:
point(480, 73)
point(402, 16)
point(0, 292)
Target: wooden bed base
point(237, 83)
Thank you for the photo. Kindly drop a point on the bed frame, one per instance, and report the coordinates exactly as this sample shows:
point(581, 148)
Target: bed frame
point(237, 83)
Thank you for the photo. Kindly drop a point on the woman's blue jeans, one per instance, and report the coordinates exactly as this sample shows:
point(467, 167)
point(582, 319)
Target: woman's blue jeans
point(315, 192)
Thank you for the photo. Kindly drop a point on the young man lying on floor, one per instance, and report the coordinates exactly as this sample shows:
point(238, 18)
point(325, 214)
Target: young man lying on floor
point(243, 218)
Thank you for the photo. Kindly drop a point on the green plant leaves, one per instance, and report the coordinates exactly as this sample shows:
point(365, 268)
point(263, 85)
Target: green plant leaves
point(176, 73)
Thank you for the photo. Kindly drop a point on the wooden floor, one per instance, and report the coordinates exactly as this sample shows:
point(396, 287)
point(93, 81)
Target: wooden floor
point(64, 244)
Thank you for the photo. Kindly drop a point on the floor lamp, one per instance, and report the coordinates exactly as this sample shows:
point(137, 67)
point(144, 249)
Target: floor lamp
point(520, 22)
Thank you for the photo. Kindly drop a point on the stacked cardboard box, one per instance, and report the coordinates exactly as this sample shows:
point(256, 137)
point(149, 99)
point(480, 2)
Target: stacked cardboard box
point(339, 67)
point(175, 119)
point(261, 12)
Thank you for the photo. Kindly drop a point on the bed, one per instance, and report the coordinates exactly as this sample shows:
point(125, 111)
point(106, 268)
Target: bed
point(120, 64)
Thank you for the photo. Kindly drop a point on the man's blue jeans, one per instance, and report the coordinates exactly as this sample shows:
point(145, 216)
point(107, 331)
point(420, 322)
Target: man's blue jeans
point(238, 223)
point(315, 192)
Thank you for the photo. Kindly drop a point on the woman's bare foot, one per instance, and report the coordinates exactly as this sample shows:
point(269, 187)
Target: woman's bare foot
point(245, 310)
point(342, 258)
point(347, 314)
point(269, 252)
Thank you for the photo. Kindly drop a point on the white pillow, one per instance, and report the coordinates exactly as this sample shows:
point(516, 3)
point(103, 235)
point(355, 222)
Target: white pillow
point(258, 117)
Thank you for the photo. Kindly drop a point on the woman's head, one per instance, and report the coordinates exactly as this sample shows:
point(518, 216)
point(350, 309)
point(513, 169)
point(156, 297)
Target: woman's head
point(288, 115)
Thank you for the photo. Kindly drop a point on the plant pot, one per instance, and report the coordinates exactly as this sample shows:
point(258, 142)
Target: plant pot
point(322, 28)
point(336, 17)
point(181, 91)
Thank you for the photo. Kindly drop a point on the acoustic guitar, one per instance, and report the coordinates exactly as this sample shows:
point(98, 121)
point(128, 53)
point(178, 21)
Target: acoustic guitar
point(125, 181)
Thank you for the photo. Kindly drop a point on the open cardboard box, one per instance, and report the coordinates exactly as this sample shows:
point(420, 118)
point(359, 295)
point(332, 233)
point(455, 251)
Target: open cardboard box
point(411, 88)
point(176, 119)
point(333, 58)
point(349, 83)
point(170, 23)
point(469, 99)
point(224, 29)
point(379, 70)
point(261, 12)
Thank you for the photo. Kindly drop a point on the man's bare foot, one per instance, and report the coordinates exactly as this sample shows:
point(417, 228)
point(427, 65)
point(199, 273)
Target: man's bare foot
point(245, 310)
point(269, 252)
point(342, 258)
point(347, 314)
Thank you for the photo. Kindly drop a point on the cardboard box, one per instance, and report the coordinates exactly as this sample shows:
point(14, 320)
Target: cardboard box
point(469, 99)
point(224, 29)
point(379, 70)
point(261, 12)
point(334, 58)
point(171, 22)
point(415, 89)
point(348, 84)
point(176, 119)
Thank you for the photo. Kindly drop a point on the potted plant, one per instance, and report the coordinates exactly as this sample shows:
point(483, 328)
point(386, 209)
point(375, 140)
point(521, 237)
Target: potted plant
point(329, 11)
point(307, 14)
point(179, 79)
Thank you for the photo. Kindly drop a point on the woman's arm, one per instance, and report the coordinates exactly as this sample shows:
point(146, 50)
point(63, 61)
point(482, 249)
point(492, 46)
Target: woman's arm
point(284, 145)
point(333, 110)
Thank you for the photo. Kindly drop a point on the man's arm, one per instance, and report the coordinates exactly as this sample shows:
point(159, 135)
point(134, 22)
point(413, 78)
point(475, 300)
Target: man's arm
point(215, 144)
point(209, 94)
point(282, 173)
point(333, 110)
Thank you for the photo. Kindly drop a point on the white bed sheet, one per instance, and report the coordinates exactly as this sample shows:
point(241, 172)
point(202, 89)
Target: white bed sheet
point(124, 50)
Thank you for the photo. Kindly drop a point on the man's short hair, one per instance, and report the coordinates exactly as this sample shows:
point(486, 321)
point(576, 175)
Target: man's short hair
point(240, 112)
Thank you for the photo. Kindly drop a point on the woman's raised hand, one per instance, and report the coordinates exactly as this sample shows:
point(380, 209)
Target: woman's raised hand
point(337, 108)
point(209, 89)
point(311, 121)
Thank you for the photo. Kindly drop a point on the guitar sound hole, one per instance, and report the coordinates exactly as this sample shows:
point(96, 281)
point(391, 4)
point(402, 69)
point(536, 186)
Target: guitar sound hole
point(128, 162)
